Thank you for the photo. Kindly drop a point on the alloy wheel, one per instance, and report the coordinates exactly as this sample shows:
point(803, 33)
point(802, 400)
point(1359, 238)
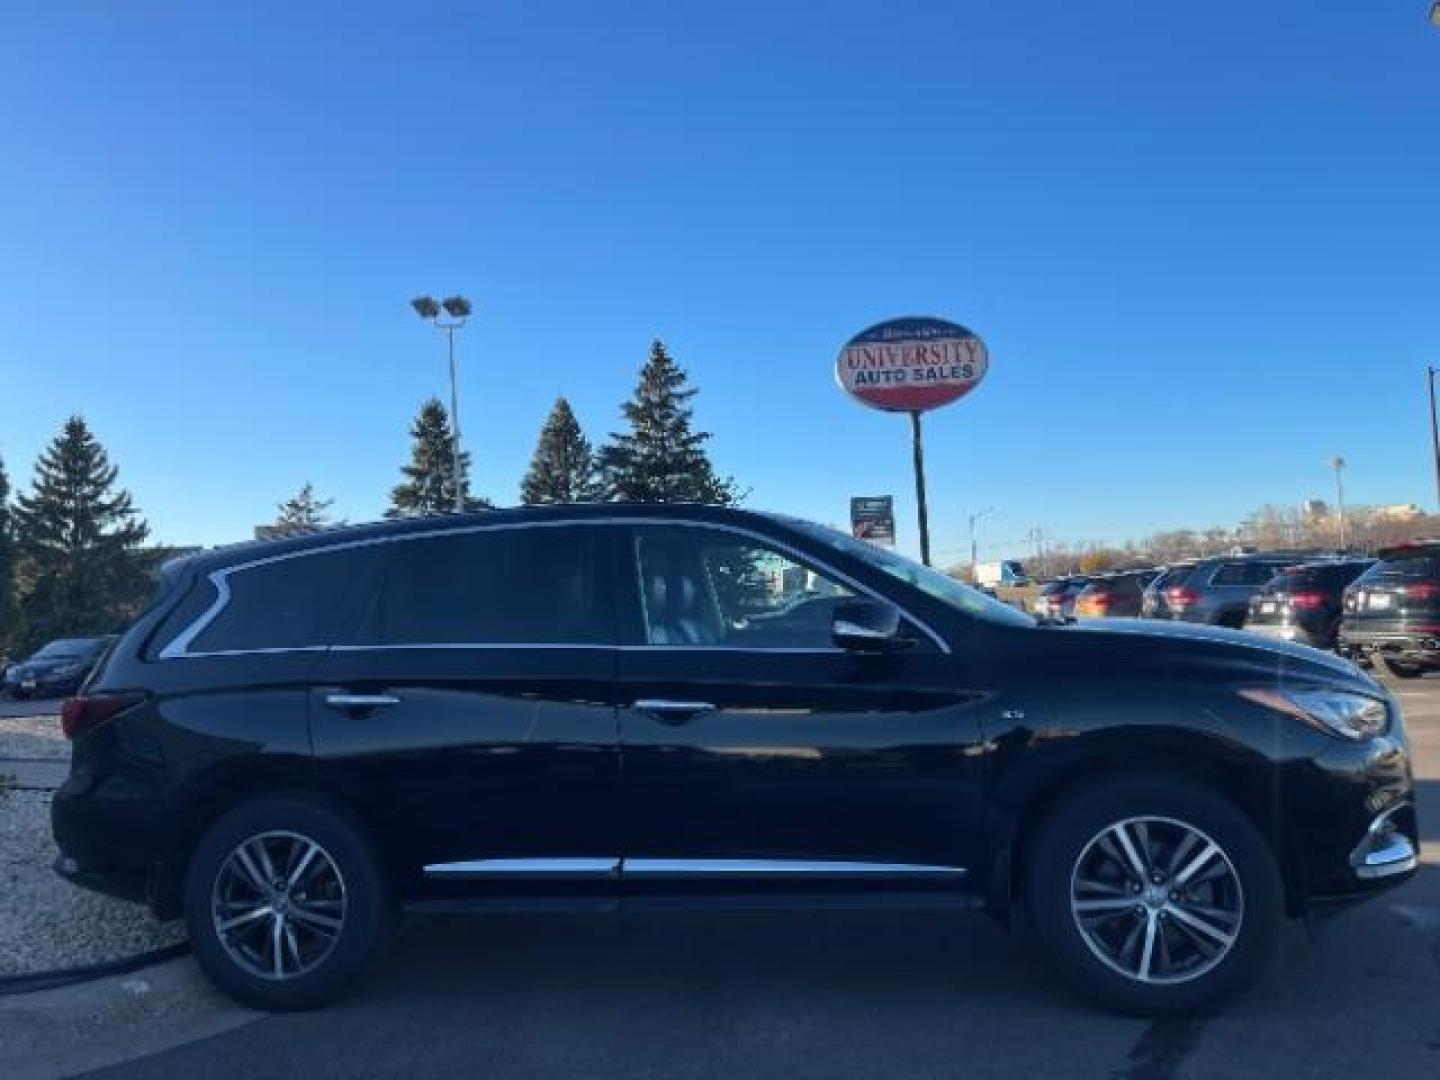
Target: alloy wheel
point(1156, 900)
point(278, 905)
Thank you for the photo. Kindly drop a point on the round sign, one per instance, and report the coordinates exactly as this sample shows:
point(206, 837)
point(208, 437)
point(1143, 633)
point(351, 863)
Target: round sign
point(909, 365)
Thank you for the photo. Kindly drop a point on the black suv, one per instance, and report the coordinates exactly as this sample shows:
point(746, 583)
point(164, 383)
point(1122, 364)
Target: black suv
point(572, 708)
point(1392, 611)
point(1218, 591)
point(1303, 603)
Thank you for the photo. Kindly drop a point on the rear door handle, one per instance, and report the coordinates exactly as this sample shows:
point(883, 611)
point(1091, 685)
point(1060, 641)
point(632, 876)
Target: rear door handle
point(673, 712)
point(360, 701)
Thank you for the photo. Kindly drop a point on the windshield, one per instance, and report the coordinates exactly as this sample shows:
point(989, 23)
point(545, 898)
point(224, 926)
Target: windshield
point(69, 648)
point(932, 582)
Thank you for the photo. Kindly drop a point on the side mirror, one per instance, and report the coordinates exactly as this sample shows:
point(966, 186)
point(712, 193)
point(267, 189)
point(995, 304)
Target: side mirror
point(868, 626)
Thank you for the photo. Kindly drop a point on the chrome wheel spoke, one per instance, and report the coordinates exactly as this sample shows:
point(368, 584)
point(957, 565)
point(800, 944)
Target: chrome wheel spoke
point(1148, 954)
point(277, 957)
point(253, 875)
point(314, 920)
point(1188, 918)
point(301, 864)
point(1207, 853)
point(1109, 903)
point(240, 920)
point(1132, 857)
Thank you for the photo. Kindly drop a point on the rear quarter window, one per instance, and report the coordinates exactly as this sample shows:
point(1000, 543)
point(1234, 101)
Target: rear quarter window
point(298, 601)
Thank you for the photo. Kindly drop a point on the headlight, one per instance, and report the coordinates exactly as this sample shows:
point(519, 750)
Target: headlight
point(1335, 712)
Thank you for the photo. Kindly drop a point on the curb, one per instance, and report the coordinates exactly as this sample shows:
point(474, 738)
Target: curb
point(50, 980)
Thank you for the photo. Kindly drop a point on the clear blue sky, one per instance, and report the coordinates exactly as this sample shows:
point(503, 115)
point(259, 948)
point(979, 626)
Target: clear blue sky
point(1201, 240)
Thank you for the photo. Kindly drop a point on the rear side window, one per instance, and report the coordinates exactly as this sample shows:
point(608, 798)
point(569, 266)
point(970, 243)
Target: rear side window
point(1412, 566)
point(538, 585)
point(1243, 573)
point(301, 601)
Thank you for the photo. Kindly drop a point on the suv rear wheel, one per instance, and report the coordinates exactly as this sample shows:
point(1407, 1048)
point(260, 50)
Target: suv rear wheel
point(1154, 896)
point(285, 903)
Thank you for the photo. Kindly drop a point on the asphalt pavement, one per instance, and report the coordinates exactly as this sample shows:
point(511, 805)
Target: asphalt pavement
point(860, 995)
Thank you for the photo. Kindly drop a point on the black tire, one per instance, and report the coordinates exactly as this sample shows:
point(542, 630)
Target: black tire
point(1402, 670)
point(366, 912)
point(1174, 805)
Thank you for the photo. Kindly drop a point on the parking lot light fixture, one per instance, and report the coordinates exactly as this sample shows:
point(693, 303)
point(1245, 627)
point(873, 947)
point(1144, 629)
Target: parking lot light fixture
point(1338, 464)
point(975, 547)
point(458, 308)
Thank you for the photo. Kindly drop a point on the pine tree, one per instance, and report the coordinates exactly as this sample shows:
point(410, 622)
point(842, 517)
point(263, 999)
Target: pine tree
point(429, 484)
point(303, 512)
point(78, 539)
point(661, 459)
point(563, 468)
point(10, 622)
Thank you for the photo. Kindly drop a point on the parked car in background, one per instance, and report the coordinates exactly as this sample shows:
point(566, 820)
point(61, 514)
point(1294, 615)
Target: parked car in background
point(571, 708)
point(56, 669)
point(1304, 603)
point(1217, 591)
point(1114, 594)
point(1153, 605)
point(1057, 598)
point(1392, 611)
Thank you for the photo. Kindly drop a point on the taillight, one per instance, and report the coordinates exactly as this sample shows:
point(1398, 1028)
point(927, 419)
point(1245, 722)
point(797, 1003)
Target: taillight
point(1423, 590)
point(87, 712)
point(1099, 599)
point(1307, 599)
point(1180, 596)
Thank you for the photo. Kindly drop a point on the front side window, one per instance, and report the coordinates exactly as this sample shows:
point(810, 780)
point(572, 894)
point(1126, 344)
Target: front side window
point(933, 583)
point(503, 586)
point(703, 586)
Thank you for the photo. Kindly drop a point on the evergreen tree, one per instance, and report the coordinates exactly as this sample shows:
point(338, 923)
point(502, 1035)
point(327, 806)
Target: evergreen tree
point(563, 468)
point(78, 539)
point(429, 484)
point(303, 512)
point(10, 623)
point(661, 459)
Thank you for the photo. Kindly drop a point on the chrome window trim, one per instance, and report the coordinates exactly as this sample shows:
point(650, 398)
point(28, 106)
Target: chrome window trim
point(179, 647)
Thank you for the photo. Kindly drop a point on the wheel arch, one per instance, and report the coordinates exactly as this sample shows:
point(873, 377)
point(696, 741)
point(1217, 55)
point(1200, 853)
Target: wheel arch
point(1247, 781)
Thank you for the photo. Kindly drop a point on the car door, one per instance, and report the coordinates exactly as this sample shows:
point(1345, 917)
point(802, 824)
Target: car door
point(471, 711)
point(757, 754)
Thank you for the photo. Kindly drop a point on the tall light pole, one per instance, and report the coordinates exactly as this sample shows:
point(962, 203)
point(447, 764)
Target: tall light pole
point(1434, 428)
point(975, 547)
point(458, 308)
point(1338, 464)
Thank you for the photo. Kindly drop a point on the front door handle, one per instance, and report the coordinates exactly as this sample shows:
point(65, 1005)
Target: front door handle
point(360, 701)
point(673, 712)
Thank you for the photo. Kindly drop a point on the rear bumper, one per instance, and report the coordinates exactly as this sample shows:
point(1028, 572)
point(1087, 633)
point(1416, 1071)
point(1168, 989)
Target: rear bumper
point(1287, 632)
point(1414, 646)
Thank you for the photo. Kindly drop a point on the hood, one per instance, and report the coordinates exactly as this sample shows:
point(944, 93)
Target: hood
point(1174, 640)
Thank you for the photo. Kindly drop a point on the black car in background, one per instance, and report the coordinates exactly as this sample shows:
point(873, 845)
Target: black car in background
point(1057, 598)
point(1117, 594)
point(56, 669)
point(1304, 603)
point(650, 707)
point(1392, 611)
point(1218, 590)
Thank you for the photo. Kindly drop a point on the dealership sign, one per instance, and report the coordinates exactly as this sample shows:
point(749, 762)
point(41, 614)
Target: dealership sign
point(872, 517)
point(910, 365)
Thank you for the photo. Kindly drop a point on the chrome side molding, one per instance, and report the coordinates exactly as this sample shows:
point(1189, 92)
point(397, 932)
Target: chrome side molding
point(692, 869)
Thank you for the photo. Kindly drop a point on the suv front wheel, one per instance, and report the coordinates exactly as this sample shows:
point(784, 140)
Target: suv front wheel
point(285, 903)
point(1154, 896)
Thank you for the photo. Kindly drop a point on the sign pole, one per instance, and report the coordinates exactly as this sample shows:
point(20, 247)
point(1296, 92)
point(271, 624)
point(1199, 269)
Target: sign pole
point(917, 448)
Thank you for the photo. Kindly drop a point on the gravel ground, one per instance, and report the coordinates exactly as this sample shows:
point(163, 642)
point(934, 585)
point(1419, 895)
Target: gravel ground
point(33, 737)
point(45, 922)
